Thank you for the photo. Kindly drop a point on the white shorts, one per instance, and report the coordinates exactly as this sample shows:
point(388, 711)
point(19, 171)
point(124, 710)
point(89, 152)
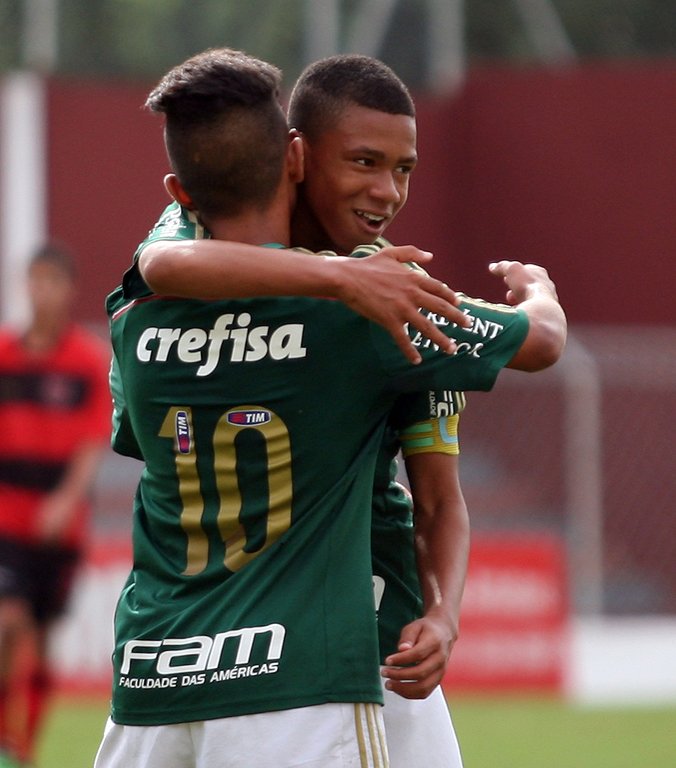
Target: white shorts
point(323, 736)
point(420, 732)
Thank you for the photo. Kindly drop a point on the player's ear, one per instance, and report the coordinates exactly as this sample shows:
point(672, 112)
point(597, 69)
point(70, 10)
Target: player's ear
point(175, 190)
point(296, 157)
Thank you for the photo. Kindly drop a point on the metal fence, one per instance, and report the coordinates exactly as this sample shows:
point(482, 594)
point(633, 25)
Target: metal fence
point(584, 449)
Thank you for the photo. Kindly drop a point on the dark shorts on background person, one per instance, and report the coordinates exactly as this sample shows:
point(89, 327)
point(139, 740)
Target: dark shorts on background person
point(42, 575)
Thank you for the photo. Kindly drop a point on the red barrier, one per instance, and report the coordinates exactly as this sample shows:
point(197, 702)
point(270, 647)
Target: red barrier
point(513, 633)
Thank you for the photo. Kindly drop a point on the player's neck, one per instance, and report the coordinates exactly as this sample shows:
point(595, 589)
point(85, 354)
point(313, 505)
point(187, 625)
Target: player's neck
point(306, 231)
point(254, 226)
point(248, 232)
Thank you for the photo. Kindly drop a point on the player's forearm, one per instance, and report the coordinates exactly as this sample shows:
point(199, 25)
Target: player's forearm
point(546, 333)
point(219, 269)
point(60, 507)
point(79, 477)
point(442, 552)
point(442, 534)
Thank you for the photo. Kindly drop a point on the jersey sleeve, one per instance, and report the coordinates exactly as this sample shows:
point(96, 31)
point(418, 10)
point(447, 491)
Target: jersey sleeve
point(176, 223)
point(495, 335)
point(123, 440)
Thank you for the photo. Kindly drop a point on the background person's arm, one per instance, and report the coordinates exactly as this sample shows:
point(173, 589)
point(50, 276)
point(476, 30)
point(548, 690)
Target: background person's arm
point(59, 507)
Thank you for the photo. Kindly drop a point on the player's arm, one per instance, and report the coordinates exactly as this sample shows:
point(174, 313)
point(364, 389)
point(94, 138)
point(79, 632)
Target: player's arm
point(57, 510)
point(380, 286)
point(442, 534)
point(530, 288)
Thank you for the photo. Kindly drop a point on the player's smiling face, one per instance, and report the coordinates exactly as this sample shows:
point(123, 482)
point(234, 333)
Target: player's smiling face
point(357, 175)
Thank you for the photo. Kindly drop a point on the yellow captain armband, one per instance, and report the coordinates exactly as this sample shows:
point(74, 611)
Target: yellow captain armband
point(438, 435)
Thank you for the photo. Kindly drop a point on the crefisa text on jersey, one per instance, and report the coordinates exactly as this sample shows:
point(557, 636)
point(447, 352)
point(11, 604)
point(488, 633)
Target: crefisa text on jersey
point(179, 662)
point(248, 343)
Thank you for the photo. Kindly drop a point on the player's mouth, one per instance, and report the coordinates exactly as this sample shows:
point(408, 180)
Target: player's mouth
point(374, 222)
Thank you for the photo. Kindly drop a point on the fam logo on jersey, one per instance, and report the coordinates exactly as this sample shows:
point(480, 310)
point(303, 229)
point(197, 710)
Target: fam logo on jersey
point(187, 661)
point(249, 417)
point(246, 343)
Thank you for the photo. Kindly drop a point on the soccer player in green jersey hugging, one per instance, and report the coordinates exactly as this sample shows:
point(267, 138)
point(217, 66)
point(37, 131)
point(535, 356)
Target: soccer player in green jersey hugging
point(249, 608)
point(357, 122)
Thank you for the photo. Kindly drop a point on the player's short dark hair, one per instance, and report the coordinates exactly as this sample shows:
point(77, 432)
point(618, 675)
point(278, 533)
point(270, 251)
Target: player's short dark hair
point(327, 86)
point(56, 254)
point(225, 131)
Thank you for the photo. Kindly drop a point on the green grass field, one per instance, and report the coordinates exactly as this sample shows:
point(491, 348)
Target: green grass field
point(493, 733)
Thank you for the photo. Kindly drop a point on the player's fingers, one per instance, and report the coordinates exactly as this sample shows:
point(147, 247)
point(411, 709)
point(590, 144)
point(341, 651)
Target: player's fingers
point(404, 253)
point(500, 267)
point(436, 287)
point(410, 635)
point(409, 639)
point(414, 670)
point(430, 331)
point(418, 689)
point(414, 682)
point(407, 657)
point(403, 341)
point(444, 308)
point(422, 654)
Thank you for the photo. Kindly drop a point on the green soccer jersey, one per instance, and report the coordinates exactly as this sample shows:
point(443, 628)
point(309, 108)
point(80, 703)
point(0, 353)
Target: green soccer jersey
point(395, 575)
point(259, 422)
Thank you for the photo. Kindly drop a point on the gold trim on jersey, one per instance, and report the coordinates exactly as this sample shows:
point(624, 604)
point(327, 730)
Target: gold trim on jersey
point(487, 304)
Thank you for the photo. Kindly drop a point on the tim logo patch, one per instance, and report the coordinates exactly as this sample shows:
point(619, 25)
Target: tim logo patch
point(247, 417)
point(183, 432)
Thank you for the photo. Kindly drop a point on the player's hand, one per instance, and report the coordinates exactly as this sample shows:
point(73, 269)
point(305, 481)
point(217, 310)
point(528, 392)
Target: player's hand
point(384, 289)
point(522, 280)
point(420, 663)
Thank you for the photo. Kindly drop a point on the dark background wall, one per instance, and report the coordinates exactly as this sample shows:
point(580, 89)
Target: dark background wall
point(575, 170)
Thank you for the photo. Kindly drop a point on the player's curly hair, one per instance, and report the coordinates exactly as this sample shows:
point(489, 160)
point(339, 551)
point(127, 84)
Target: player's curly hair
point(225, 131)
point(327, 86)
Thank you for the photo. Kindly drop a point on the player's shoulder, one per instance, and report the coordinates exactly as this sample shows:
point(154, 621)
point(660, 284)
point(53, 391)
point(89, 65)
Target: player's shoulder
point(175, 223)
